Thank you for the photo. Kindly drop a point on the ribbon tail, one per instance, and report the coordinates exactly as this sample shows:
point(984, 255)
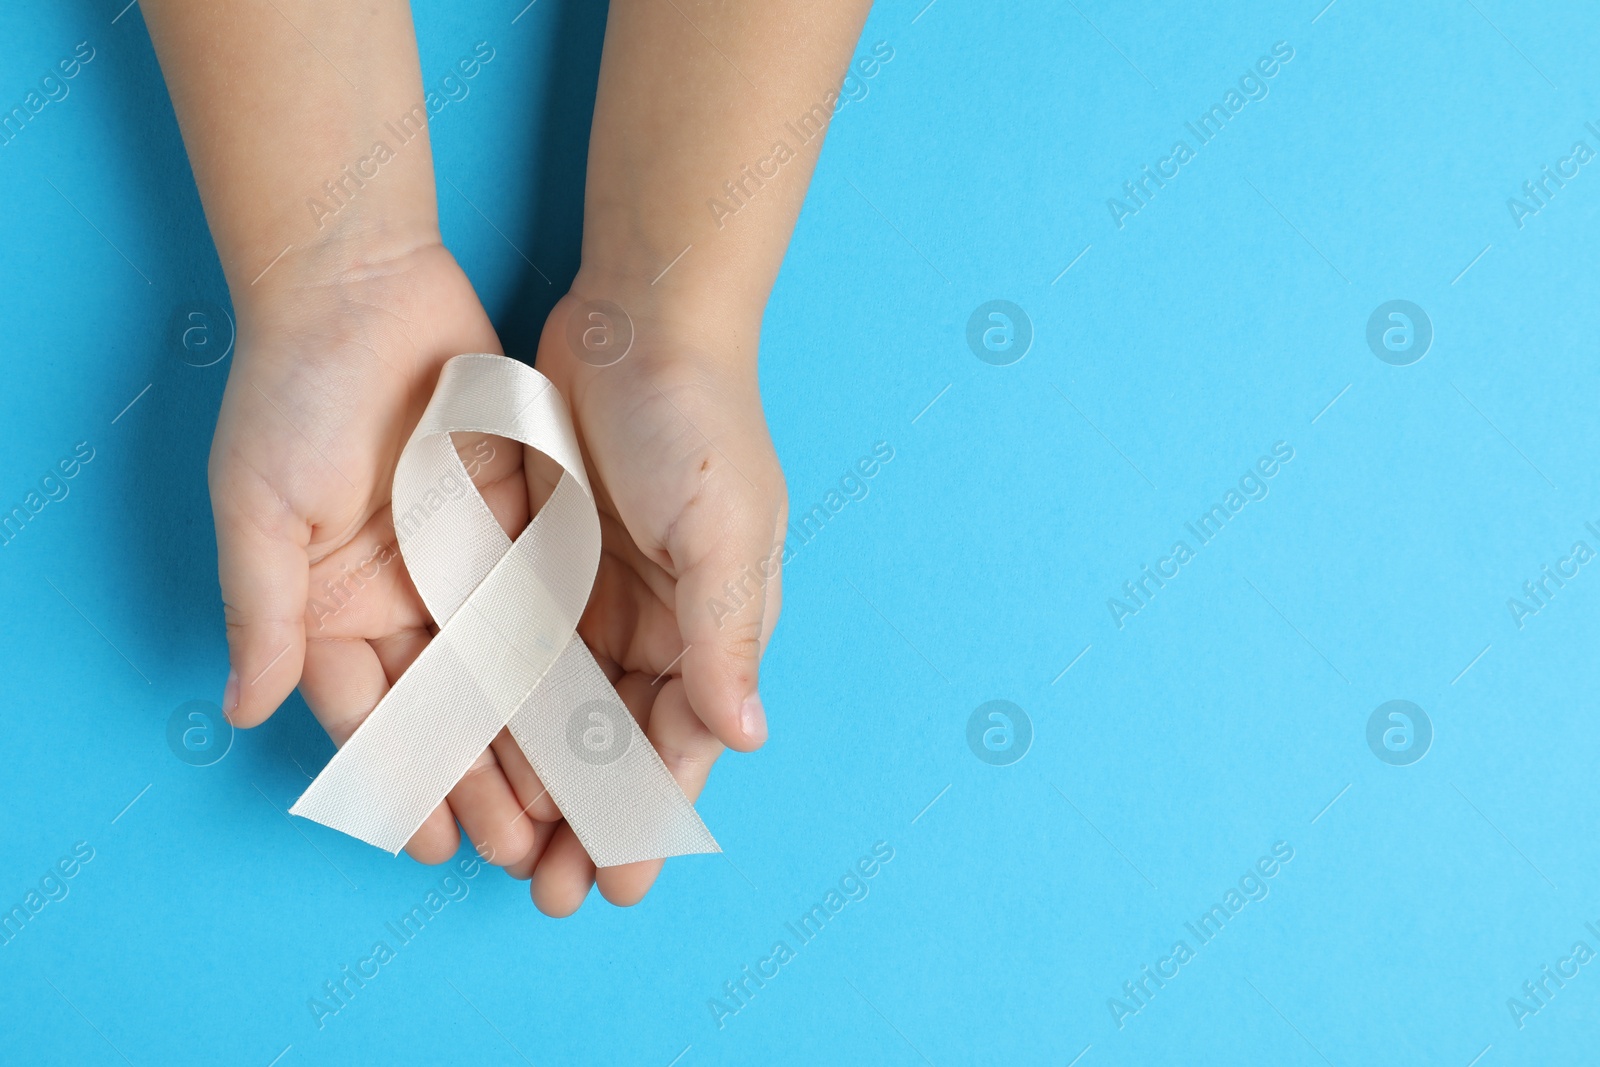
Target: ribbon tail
point(601, 770)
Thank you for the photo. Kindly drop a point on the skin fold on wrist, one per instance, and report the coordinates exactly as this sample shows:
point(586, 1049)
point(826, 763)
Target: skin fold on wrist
point(333, 260)
point(693, 319)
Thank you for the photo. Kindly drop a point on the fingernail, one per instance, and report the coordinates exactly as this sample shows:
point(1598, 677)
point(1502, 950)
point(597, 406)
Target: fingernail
point(753, 718)
point(230, 694)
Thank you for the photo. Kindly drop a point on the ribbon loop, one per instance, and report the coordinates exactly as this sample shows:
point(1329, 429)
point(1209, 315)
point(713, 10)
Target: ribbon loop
point(507, 652)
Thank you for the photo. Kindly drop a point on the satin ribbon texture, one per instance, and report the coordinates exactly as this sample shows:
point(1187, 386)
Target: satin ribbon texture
point(507, 652)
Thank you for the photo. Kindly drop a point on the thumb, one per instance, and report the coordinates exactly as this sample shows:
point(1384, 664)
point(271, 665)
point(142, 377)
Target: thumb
point(261, 560)
point(726, 600)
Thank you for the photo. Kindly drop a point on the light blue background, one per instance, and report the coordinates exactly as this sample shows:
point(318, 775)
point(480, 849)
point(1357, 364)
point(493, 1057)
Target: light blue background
point(1224, 317)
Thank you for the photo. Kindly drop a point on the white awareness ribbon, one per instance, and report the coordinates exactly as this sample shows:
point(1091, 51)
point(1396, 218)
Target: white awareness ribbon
point(506, 653)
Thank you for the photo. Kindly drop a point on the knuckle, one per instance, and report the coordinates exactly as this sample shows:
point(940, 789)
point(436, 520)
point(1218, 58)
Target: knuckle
point(742, 644)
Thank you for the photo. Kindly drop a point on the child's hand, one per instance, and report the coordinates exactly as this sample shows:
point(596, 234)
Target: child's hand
point(692, 501)
point(333, 371)
point(322, 202)
point(692, 513)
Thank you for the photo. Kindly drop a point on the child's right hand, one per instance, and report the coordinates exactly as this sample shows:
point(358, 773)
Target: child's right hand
point(333, 370)
point(692, 517)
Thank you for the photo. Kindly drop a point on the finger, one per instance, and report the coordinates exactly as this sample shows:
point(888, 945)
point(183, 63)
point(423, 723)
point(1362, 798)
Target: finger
point(396, 652)
point(342, 683)
point(490, 814)
point(563, 876)
point(482, 801)
point(540, 475)
point(726, 536)
point(543, 834)
point(689, 750)
point(626, 621)
point(773, 605)
point(617, 545)
point(363, 590)
point(487, 458)
point(262, 564)
point(535, 799)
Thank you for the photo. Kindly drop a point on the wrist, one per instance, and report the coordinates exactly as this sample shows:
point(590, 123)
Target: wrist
point(699, 315)
point(366, 247)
